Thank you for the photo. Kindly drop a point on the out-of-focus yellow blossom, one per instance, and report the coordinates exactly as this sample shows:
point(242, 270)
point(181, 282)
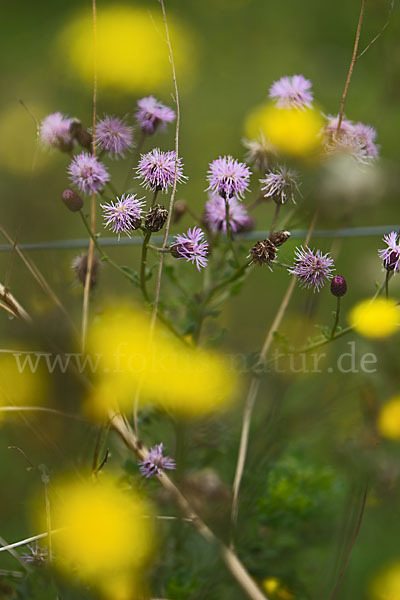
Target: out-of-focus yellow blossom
point(386, 585)
point(132, 54)
point(19, 385)
point(290, 130)
point(276, 589)
point(20, 150)
point(389, 419)
point(105, 534)
point(375, 319)
point(182, 380)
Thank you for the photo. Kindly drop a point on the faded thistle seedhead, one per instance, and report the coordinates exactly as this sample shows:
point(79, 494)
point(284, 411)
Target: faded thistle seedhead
point(81, 134)
point(263, 252)
point(80, 266)
point(156, 218)
point(279, 237)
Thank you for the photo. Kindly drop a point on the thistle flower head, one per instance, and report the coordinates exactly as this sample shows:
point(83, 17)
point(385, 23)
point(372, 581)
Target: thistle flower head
point(152, 113)
point(215, 214)
point(88, 173)
point(259, 152)
point(79, 265)
point(312, 268)
point(280, 185)
point(156, 218)
point(228, 177)
point(157, 170)
point(125, 215)
point(55, 132)
point(338, 286)
point(113, 136)
point(192, 247)
point(356, 139)
point(292, 92)
point(391, 254)
point(263, 252)
point(155, 462)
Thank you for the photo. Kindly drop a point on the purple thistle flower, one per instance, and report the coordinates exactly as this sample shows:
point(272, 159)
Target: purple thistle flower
point(292, 92)
point(125, 215)
point(157, 169)
point(356, 139)
point(228, 177)
point(155, 462)
point(192, 247)
point(312, 268)
point(215, 214)
point(391, 254)
point(88, 173)
point(113, 136)
point(55, 131)
point(152, 113)
point(280, 185)
point(366, 134)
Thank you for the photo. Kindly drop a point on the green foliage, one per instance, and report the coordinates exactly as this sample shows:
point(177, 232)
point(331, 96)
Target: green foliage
point(296, 491)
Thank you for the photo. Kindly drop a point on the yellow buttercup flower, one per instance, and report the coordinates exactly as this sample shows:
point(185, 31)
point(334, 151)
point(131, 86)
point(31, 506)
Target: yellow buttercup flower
point(291, 130)
point(274, 587)
point(22, 383)
point(105, 533)
point(132, 54)
point(386, 585)
point(389, 419)
point(375, 319)
point(179, 379)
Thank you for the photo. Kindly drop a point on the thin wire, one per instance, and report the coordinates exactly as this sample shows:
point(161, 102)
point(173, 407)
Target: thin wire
point(158, 239)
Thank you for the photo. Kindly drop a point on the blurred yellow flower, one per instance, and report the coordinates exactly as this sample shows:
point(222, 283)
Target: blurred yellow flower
point(386, 585)
point(389, 419)
point(179, 379)
point(132, 54)
point(20, 150)
point(291, 131)
point(375, 319)
point(105, 534)
point(19, 385)
point(274, 587)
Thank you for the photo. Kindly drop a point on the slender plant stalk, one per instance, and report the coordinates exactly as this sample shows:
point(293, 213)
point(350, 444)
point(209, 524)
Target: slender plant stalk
point(229, 233)
point(9, 303)
point(254, 387)
point(351, 68)
point(230, 559)
point(33, 269)
point(173, 193)
point(275, 218)
point(86, 292)
point(143, 265)
point(387, 279)
point(352, 544)
point(337, 314)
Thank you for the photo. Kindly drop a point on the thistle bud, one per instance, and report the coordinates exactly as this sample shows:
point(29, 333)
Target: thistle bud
point(391, 262)
point(279, 237)
point(156, 218)
point(263, 252)
point(338, 286)
point(72, 200)
point(82, 135)
point(179, 210)
point(80, 264)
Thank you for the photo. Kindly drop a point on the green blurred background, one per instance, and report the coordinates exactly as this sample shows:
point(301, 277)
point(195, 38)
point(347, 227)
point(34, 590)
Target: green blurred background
point(317, 431)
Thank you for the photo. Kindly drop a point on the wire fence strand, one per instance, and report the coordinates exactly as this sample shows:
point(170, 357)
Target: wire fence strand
point(158, 239)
